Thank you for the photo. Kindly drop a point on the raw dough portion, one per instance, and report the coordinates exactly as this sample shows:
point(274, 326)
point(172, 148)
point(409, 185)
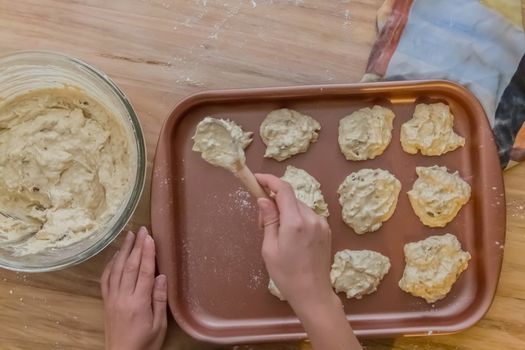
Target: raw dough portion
point(366, 133)
point(307, 189)
point(437, 195)
point(272, 288)
point(430, 131)
point(368, 197)
point(66, 166)
point(432, 266)
point(286, 132)
point(221, 143)
point(358, 272)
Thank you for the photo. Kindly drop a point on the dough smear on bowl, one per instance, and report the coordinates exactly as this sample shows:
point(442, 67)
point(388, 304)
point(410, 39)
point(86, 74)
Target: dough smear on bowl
point(366, 133)
point(66, 167)
point(430, 131)
point(221, 143)
point(307, 189)
point(368, 198)
point(286, 132)
point(437, 195)
point(432, 266)
point(358, 272)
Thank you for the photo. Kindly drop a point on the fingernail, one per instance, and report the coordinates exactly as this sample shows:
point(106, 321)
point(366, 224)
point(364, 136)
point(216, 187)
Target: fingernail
point(116, 253)
point(161, 281)
point(129, 236)
point(143, 233)
point(148, 239)
point(262, 203)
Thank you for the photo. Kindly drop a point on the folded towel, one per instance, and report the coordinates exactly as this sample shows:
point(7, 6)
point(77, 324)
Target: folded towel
point(465, 41)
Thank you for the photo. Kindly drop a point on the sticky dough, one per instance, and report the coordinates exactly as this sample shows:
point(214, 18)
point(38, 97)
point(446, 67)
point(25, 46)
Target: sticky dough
point(437, 195)
point(366, 133)
point(307, 189)
point(430, 131)
point(221, 143)
point(286, 132)
point(368, 198)
point(432, 266)
point(65, 168)
point(358, 272)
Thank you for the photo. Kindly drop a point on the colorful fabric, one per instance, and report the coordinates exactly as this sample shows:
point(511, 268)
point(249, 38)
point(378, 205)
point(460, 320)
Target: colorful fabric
point(463, 41)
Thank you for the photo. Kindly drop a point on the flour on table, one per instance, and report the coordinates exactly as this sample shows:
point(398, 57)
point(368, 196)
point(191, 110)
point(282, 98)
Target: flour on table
point(368, 198)
point(221, 143)
point(432, 266)
point(286, 132)
point(358, 272)
point(366, 133)
point(430, 131)
point(437, 195)
point(307, 189)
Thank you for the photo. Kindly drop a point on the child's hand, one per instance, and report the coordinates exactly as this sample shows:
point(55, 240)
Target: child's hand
point(134, 300)
point(296, 247)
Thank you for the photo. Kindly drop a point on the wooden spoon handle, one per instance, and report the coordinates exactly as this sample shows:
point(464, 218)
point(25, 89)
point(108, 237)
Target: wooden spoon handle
point(250, 182)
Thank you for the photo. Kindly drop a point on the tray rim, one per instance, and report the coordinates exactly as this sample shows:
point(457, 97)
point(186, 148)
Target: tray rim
point(298, 91)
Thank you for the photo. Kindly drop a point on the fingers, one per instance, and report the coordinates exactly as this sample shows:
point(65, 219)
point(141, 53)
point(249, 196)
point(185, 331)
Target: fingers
point(132, 265)
point(284, 195)
point(146, 275)
point(160, 298)
point(104, 280)
point(120, 260)
point(270, 222)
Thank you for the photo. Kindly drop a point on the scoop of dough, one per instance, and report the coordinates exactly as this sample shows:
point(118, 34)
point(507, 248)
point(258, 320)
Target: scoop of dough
point(307, 189)
point(366, 133)
point(437, 195)
point(358, 272)
point(432, 266)
point(368, 197)
point(272, 288)
point(221, 143)
point(286, 132)
point(430, 131)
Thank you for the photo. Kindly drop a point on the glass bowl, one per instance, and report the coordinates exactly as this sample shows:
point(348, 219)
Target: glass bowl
point(27, 71)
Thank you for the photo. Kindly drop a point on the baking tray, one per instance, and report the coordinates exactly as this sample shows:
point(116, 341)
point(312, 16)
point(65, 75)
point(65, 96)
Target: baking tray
point(208, 242)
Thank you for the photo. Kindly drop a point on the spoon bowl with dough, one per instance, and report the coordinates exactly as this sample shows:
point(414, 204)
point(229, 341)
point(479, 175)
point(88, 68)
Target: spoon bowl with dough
point(221, 143)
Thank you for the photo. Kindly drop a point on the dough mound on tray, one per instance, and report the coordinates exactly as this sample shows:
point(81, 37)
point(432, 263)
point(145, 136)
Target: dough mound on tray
point(430, 131)
point(286, 132)
point(368, 198)
point(358, 272)
point(437, 195)
point(432, 266)
point(366, 133)
point(307, 189)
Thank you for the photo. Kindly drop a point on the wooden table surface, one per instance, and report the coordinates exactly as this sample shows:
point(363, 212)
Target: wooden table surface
point(159, 51)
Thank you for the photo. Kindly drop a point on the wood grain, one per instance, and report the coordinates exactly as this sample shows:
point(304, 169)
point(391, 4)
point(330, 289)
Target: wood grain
point(159, 51)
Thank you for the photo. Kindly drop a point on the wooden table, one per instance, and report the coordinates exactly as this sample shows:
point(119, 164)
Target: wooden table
point(159, 51)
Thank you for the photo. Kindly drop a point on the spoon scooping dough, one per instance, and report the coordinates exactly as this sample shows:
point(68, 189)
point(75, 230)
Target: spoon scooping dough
point(221, 143)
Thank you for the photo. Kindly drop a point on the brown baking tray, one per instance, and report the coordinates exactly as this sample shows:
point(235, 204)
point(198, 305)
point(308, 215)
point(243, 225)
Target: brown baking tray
point(209, 245)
